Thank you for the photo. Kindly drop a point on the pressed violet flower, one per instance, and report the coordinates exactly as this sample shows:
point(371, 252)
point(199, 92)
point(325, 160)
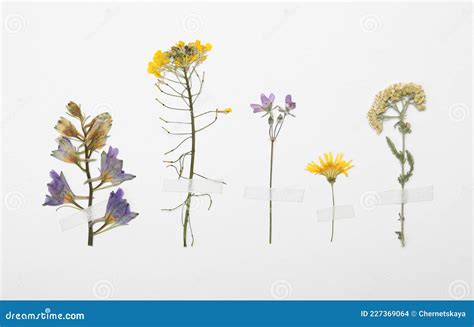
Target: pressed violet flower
point(59, 190)
point(276, 118)
point(91, 136)
point(330, 168)
point(117, 212)
point(177, 72)
point(392, 103)
point(266, 103)
point(66, 151)
point(289, 106)
point(111, 169)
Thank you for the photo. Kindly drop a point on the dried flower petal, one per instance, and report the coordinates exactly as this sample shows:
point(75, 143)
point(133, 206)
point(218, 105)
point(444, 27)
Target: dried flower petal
point(111, 169)
point(66, 151)
point(59, 189)
point(66, 128)
point(98, 130)
point(74, 110)
point(118, 209)
point(267, 103)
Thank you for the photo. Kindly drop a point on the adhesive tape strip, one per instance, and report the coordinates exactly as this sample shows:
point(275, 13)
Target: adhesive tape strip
point(83, 216)
point(419, 194)
point(339, 212)
point(286, 194)
point(192, 185)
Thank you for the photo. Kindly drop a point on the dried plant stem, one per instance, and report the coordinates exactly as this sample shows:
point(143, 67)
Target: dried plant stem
point(402, 209)
point(270, 204)
point(193, 152)
point(87, 155)
point(90, 238)
point(333, 211)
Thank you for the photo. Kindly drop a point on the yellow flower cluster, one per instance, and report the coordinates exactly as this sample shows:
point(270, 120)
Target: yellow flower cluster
point(391, 95)
point(330, 167)
point(180, 56)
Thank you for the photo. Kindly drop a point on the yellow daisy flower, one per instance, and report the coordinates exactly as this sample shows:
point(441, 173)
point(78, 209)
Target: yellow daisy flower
point(330, 167)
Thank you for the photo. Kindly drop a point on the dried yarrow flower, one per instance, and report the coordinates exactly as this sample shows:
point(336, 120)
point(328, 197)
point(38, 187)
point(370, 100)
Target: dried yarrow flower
point(392, 103)
point(387, 99)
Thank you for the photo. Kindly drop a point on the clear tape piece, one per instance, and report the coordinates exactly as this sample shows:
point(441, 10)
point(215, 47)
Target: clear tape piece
point(193, 185)
point(286, 194)
point(82, 217)
point(340, 212)
point(419, 194)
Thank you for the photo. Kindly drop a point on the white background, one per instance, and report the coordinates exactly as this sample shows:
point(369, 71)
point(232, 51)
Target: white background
point(333, 59)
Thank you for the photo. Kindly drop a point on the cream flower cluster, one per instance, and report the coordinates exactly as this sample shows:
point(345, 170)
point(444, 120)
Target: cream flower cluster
point(388, 98)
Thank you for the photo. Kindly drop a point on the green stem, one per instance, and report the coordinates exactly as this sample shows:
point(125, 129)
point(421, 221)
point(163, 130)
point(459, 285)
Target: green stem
point(402, 210)
point(333, 211)
point(193, 151)
point(271, 184)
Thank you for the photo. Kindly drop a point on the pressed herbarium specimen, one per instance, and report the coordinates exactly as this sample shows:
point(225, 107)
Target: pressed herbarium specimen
point(330, 168)
point(180, 82)
point(90, 138)
point(276, 118)
point(392, 104)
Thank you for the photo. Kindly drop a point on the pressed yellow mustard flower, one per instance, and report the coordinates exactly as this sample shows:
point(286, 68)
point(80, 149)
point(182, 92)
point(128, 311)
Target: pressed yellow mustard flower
point(178, 77)
point(330, 167)
point(180, 56)
point(408, 93)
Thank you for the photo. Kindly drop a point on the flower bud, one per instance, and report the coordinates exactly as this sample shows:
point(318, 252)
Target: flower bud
point(66, 128)
point(270, 120)
point(74, 110)
point(99, 127)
